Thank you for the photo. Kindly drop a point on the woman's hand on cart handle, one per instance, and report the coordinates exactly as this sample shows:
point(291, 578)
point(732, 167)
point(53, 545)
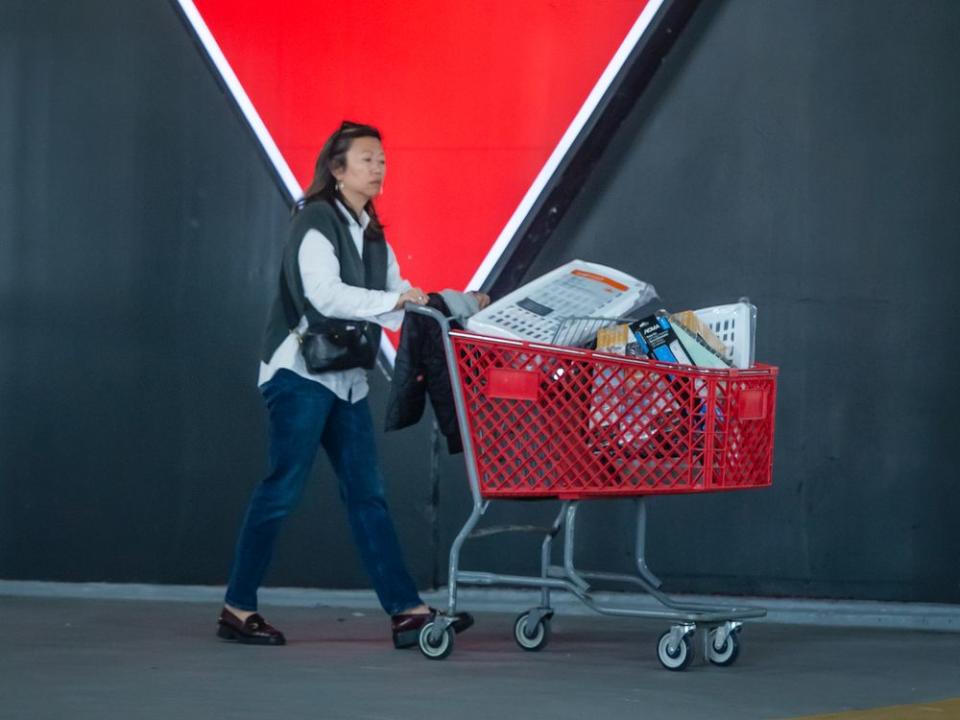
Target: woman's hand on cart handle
point(413, 295)
point(482, 298)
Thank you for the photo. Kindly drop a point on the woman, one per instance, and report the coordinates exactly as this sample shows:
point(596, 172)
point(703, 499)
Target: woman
point(345, 269)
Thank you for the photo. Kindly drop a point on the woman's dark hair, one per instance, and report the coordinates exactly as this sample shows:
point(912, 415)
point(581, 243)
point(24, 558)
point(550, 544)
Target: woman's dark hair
point(333, 156)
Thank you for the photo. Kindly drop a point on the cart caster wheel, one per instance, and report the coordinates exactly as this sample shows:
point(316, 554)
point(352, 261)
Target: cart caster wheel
point(679, 657)
point(727, 653)
point(435, 649)
point(531, 640)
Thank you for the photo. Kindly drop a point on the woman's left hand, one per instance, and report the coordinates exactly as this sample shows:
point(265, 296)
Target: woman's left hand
point(482, 298)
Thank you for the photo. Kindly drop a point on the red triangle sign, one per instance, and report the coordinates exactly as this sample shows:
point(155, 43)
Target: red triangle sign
point(474, 101)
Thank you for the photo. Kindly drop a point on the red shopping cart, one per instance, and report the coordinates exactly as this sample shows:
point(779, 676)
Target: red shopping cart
point(548, 421)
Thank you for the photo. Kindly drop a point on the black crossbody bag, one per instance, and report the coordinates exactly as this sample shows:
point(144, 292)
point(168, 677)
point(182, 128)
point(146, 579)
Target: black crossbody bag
point(330, 343)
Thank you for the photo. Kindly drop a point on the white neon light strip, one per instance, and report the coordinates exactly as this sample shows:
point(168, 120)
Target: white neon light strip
point(240, 95)
point(593, 99)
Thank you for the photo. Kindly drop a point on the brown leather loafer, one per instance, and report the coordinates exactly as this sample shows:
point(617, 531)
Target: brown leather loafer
point(461, 621)
point(252, 631)
point(406, 626)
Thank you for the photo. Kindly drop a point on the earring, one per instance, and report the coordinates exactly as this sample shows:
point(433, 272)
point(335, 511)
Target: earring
point(339, 185)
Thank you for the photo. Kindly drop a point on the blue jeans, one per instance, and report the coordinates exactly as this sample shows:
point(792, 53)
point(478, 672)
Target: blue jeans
point(304, 414)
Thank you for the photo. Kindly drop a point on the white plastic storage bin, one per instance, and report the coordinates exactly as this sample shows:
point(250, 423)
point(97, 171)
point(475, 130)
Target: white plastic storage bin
point(736, 326)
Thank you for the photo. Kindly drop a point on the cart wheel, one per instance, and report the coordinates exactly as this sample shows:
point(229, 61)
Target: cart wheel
point(435, 649)
point(677, 659)
point(537, 640)
point(727, 653)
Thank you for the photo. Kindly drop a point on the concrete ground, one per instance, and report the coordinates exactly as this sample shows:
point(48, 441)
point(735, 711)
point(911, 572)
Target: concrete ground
point(72, 658)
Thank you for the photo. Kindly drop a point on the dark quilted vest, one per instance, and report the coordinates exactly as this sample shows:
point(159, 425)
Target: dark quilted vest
point(369, 272)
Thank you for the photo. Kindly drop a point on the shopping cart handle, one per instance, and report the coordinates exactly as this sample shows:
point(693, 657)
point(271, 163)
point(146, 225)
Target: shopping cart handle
point(442, 319)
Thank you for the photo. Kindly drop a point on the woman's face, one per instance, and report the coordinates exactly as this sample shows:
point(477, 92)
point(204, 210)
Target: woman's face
point(362, 176)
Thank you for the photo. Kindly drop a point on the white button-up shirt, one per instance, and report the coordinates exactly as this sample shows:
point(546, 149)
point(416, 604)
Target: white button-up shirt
point(320, 274)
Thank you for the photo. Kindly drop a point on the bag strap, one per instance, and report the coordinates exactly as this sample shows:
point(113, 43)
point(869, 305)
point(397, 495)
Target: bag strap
point(295, 306)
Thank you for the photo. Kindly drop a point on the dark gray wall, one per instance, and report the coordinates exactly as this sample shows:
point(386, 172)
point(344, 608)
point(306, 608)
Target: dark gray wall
point(139, 238)
point(804, 154)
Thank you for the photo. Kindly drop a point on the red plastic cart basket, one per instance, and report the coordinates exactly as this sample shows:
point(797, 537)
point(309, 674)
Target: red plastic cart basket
point(549, 421)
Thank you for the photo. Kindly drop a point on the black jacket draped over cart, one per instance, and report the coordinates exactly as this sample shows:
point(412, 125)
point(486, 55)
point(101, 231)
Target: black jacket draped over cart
point(420, 370)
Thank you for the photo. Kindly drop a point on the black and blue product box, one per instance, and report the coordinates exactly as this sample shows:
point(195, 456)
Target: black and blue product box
point(658, 341)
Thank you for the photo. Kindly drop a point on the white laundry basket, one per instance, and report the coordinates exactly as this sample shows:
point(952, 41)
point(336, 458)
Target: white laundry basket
point(736, 326)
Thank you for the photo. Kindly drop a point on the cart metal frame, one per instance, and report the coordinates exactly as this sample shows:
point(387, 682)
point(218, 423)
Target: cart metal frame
point(716, 625)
